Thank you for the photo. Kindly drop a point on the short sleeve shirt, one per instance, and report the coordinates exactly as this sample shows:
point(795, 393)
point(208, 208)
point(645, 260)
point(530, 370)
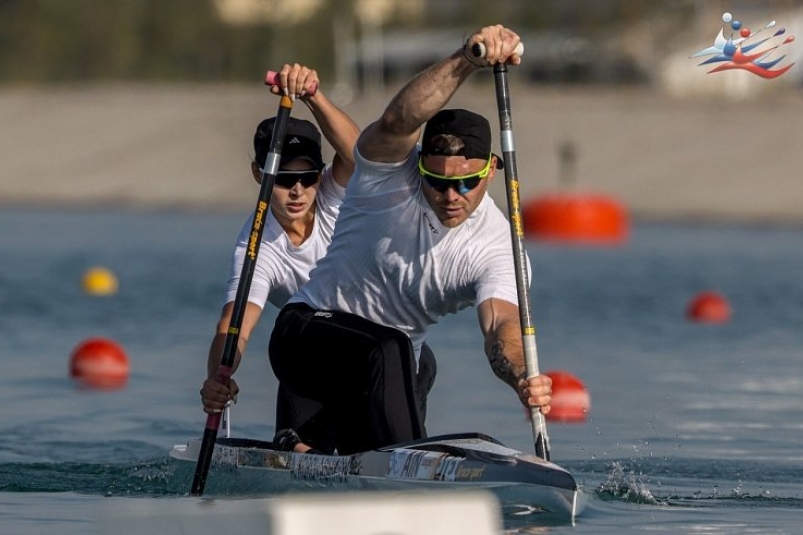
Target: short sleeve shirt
point(281, 267)
point(391, 260)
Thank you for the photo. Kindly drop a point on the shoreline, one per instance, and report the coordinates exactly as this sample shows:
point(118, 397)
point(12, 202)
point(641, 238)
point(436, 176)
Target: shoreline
point(188, 148)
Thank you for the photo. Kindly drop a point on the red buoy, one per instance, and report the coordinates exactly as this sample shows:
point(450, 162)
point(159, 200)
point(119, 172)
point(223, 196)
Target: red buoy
point(709, 307)
point(591, 219)
point(570, 399)
point(99, 363)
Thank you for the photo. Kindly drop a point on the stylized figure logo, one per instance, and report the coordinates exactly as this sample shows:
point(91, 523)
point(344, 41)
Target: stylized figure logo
point(738, 52)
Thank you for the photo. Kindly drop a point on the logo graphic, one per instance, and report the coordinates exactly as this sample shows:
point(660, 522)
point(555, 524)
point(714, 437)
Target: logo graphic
point(744, 51)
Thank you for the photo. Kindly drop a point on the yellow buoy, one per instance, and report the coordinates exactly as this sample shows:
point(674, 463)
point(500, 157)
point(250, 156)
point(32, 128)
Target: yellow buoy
point(100, 281)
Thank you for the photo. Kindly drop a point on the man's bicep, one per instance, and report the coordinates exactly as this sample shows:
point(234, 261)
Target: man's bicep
point(496, 314)
point(379, 144)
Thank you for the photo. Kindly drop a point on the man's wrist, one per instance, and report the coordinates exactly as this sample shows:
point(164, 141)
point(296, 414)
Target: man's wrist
point(470, 57)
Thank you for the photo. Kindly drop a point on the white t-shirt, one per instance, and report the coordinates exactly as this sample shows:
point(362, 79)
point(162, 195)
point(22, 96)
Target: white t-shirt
point(281, 267)
point(392, 262)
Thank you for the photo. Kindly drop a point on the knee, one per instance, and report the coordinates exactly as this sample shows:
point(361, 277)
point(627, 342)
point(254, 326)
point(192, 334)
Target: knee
point(427, 370)
point(394, 346)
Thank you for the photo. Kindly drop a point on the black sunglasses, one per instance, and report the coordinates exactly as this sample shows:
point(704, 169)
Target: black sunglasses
point(288, 179)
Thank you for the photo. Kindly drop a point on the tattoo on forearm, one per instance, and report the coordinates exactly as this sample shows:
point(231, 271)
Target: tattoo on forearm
point(501, 365)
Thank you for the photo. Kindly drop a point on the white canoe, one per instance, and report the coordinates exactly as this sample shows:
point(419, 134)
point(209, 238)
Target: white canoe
point(468, 460)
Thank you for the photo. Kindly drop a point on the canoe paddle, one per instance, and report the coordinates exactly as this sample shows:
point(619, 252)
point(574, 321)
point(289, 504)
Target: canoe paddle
point(224, 371)
point(517, 234)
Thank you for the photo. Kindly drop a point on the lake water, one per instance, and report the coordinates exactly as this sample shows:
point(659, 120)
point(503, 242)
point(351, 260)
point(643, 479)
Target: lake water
point(692, 429)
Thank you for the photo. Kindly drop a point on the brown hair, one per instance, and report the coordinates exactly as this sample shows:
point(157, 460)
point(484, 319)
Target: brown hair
point(446, 145)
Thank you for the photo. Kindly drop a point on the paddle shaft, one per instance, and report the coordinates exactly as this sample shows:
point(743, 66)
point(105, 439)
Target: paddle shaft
point(519, 255)
point(269, 172)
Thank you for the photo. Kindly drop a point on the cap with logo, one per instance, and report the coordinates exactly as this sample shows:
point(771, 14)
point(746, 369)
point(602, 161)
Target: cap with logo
point(302, 140)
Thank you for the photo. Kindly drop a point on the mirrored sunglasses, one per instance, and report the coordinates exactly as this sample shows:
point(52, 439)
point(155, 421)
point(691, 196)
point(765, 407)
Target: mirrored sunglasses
point(462, 184)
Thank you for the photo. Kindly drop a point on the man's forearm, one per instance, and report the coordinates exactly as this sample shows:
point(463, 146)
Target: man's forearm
point(504, 352)
point(428, 92)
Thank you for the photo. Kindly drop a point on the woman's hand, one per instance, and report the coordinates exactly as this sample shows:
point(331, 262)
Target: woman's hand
point(217, 393)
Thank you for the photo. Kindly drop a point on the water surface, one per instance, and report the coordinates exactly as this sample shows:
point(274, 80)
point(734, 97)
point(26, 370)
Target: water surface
point(692, 428)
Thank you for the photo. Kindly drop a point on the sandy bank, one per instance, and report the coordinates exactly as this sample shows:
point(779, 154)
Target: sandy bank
point(188, 147)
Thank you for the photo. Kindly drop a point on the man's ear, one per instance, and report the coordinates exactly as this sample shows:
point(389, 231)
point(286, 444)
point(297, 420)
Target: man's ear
point(493, 169)
point(257, 172)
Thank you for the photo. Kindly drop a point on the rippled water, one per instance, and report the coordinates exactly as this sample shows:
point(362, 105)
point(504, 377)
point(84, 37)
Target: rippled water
point(693, 428)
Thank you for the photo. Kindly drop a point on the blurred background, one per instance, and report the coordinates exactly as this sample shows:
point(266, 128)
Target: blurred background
point(125, 148)
point(149, 104)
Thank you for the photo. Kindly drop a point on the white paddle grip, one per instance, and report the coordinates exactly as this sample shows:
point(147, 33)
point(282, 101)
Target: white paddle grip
point(478, 49)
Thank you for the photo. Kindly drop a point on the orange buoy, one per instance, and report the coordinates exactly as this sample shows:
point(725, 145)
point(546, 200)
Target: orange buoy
point(100, 281)
point(570, 399)
point(709, 307)
point(592, 219)
point(99, 363)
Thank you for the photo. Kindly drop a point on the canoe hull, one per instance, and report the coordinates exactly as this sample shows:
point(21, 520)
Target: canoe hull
point(464, 461)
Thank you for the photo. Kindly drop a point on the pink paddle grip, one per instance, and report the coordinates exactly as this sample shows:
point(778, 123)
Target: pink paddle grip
point(272, 78)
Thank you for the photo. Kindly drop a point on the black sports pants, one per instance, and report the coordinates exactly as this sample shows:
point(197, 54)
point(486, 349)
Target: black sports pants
point(347, 375)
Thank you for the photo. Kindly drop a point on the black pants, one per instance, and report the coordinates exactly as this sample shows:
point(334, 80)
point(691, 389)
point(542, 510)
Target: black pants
point(345, 382)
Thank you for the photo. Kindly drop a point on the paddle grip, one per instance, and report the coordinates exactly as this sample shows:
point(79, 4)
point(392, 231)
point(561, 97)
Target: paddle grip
point(478, 49)
point(272, 78)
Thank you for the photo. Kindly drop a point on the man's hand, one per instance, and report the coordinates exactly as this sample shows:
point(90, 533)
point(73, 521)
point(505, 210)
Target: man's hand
point(499, 43)
point(536, 392)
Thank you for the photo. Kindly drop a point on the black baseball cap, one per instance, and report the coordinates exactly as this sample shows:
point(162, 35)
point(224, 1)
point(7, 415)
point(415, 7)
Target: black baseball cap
point(473, 129)
point(302, 140)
